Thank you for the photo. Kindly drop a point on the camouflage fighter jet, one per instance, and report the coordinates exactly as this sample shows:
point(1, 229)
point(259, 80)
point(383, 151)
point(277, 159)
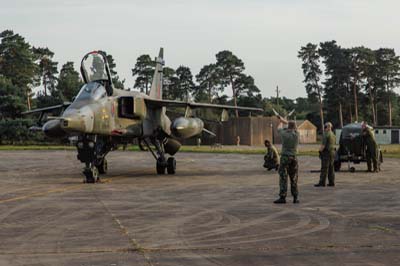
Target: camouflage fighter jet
point(102, 117)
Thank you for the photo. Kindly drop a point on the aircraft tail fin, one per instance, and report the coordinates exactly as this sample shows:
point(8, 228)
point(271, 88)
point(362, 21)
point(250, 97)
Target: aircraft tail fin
point(157, 84)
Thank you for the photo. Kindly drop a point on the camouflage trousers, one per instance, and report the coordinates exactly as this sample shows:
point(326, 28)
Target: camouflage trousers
point(270, 163)
point(288, 167)
point(327, 169)
point(371, 155)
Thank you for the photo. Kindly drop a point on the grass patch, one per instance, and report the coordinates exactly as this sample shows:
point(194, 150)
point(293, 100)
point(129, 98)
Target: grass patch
point(34, 147)
point(389, 151)
point(380, 228)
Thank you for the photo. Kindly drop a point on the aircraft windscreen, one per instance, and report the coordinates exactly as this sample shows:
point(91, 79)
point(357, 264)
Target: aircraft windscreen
point(94, 67)
point(92, 91)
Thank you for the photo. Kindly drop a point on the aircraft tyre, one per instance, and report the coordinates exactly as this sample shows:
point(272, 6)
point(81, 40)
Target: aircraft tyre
point(91, 174)
point(160, 166)
point(103, 167)
point(171, 165)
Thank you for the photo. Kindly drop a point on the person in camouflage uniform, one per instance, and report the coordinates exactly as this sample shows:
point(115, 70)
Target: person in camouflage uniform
point(327, 155)
point(271, 158)
point(371, 148)
point(288, 162)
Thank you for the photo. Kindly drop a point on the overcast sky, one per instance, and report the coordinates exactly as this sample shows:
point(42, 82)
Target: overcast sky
point(265, 34)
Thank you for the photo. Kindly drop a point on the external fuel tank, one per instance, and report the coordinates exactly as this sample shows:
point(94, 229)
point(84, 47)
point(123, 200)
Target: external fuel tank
point(183, 127)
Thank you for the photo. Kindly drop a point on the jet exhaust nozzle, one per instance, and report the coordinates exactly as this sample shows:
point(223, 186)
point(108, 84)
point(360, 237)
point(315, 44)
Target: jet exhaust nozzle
point(183, 127)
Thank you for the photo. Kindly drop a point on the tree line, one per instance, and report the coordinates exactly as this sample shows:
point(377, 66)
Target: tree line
point(352, 84)
point(343, 84)
point(209, 85)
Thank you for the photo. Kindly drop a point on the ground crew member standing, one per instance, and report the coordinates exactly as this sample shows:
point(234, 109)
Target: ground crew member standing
point(327, 154)
point(371, 147)
point(288, 163)
point(271, 158)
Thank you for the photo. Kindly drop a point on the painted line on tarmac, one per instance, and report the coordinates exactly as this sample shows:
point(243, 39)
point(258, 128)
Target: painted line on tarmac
point(59, 190)
point(38, 194)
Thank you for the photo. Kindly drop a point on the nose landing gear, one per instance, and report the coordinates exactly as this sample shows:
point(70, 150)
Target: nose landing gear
point(92, 151)
point(91, 174)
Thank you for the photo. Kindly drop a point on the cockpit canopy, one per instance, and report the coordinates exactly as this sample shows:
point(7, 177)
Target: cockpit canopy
point(94, 67)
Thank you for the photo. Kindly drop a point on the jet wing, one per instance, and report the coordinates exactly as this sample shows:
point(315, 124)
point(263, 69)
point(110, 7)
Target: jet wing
point(171, 103)
point(47, 109)
point(44, 112)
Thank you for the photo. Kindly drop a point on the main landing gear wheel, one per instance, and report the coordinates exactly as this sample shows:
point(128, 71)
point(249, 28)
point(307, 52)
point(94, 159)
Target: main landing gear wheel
point(171, 165)
point(103, 167)
point(91, 174)
point(160, 167)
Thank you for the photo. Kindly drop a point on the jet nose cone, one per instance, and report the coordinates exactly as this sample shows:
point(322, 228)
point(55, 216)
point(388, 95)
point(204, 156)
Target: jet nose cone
point(78, 120)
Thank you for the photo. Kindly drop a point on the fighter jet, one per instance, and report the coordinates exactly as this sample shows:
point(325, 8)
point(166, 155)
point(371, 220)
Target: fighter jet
point(102, 117)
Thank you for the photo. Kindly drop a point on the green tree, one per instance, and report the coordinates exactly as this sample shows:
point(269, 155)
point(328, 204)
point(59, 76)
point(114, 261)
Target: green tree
point(371, 81)
point(337, 88)
point(388, 65)
point(312, 74)
point(357, 60)
point(11, 99)
point(47, 69)
point(17, 62)
point(209, 85)
point(170, 82)
point(254, 100)
point(184, 83)
point(248, 93)
point(69, 81)
point(229, 68)
point(144, 70)
point(269, 104)
point(16, 131)
point(114, 75)
point(245, 86)
point(42, 100)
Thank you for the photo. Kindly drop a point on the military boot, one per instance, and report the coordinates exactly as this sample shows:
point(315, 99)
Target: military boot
point(319, 185)
point(295, 200)
point(280, 200)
